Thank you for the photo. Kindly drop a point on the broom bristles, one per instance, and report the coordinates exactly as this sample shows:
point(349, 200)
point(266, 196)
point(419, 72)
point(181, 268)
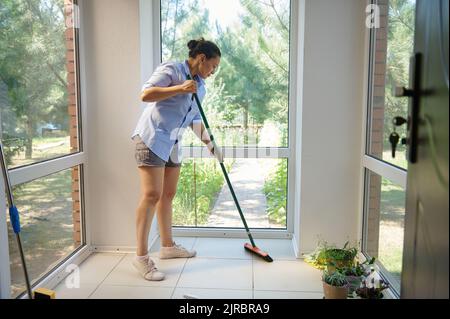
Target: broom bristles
point(255, 250)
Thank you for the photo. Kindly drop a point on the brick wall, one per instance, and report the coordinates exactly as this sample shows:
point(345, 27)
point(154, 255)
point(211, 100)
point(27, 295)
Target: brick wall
point(377, 127)
point(73, 113)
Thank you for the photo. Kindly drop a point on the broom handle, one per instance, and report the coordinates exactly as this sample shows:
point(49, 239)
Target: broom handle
point(14, 218)
point(222, 166)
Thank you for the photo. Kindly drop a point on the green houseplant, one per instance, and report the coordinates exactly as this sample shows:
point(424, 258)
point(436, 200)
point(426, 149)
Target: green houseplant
point(356, 273)
point(371, 288)
point(332, 257)
point(335, 285)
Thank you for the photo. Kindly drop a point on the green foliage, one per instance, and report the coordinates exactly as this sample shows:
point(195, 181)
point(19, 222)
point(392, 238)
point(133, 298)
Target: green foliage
point(400, 49)
point(275, 190)
point(330, 255)
point(12, 146)
point(359, 269)
point(253, 79)
point(335, 278)
point(198, 187)
point(32, 65)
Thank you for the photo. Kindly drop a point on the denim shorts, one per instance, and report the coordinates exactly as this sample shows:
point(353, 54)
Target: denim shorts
point(145, 157)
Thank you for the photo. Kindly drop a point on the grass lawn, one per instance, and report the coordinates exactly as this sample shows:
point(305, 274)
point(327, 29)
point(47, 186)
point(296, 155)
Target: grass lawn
point(392, 211)
point(43, 149)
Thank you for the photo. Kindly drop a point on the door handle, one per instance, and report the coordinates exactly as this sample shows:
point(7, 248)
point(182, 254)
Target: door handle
point(414, 93)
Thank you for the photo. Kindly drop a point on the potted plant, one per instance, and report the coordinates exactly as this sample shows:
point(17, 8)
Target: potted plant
point(372, 289)
point(332, 257)
point(335, 286)
point(357, 273)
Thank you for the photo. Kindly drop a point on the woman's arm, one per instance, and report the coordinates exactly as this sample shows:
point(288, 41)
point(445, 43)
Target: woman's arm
point(201, 132)
point(155, 93)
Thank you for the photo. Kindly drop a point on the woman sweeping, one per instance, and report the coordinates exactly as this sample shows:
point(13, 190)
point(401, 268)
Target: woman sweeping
point(170, 111)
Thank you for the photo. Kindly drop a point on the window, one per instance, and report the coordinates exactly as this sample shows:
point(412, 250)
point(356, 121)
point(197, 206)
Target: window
point(50, 229)
point(40, 121)
point(247, 105)
point(38, 108)
point(385, 179)
point(204, 200)
point(385, 223)
point(392, 49)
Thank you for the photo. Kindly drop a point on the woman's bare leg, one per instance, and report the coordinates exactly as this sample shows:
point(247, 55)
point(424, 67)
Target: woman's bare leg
point(164, 206)
point(151, 190)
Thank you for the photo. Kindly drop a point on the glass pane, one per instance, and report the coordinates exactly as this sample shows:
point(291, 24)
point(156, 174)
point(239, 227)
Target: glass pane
point(38, 109)
point(247, 98)
point(394, 43)
point(204, 199)
point(49, 210)
point(386, 224)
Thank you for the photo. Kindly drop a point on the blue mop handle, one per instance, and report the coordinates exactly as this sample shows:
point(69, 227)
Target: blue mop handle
point(13, 212)
point(15, 219)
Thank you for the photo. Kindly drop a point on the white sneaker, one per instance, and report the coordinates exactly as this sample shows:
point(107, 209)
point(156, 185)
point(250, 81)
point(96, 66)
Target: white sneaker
point(176, 251)
point(148, 269)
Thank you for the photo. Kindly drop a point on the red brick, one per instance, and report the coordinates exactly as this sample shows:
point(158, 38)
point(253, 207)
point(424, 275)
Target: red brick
point(381, 46)
point(379, 80)
point(380, 57)
point(70, 44)
point(380, 68)
point(69, 34)
point(72, 100)
point(70, 56)
point(70, 67)
point(72, 109)
point(379, 91)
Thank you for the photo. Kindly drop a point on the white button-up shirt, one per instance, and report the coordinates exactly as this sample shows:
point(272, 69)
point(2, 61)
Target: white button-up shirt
point(162, 123)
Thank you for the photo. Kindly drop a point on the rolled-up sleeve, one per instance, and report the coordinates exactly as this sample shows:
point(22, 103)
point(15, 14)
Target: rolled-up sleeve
point(163, 76)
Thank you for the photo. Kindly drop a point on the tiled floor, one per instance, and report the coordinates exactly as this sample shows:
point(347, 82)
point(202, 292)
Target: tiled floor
point(221, 270)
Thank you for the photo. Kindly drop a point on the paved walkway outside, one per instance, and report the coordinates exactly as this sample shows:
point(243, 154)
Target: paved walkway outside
point(248, 177)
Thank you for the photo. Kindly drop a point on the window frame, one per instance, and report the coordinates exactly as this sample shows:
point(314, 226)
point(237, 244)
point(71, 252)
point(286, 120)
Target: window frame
point(33, 171)
point(370, 163)
point(287, 153)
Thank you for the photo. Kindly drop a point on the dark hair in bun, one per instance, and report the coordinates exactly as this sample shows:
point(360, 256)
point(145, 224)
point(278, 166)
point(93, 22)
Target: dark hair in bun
point(208, 48)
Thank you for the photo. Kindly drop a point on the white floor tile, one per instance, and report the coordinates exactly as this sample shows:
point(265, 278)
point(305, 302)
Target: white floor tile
point(223, 269)
point(268, 294)
point(286, 275)
point(83, 292)
point(125, 274)
point(222, 248)
point(278, 249)
point(217, 273)
point(212, 293)
point(126, 292)
point(97, 266)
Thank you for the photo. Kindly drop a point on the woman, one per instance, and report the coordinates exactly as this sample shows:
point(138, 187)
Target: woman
point(171, 109)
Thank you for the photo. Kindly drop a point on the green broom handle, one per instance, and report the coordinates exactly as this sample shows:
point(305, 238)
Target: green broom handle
point(211, 137)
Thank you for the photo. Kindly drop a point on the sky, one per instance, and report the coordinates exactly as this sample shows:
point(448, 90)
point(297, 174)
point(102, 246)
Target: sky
point(226, 12)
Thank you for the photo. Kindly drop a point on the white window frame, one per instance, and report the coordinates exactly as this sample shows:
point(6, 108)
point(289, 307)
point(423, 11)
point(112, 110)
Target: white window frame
point(370, 163)
point(34, 171)
point(151, 46)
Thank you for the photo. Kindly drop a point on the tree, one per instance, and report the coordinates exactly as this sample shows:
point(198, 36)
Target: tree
point(182, 21)
point(32, 64)
point(400, 48)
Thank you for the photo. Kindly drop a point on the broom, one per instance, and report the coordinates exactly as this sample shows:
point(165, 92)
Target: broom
point(251, 247)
